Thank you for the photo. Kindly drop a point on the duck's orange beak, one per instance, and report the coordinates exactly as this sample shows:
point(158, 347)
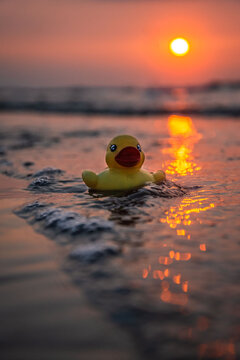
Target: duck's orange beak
point(128, 157)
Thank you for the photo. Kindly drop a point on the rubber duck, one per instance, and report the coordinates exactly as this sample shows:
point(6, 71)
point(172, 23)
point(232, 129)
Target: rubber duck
point(124, 158)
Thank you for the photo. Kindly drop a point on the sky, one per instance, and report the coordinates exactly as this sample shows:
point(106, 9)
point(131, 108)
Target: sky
point(117, 42)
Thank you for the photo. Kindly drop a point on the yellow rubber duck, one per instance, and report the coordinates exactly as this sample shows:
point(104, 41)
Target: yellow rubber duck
point(124, 158)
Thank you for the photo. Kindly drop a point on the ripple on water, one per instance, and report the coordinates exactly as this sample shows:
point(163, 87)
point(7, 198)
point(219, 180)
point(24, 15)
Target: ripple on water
point(92, 252)
point(48, 171)
point(60, 221)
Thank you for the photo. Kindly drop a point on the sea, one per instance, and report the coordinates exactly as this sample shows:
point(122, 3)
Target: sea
point(151, 273)
point(216, 98)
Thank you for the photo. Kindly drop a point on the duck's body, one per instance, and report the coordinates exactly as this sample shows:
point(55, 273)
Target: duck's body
point(124, 171)
point(115, 179)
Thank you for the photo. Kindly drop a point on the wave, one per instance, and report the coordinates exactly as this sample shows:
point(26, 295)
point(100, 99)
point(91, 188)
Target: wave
point(216, 98)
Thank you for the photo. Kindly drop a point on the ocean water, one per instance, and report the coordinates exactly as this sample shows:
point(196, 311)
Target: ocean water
point(156, 270)
point(222, 99)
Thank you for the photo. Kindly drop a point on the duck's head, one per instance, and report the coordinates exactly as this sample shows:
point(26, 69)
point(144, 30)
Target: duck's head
point(124, 152)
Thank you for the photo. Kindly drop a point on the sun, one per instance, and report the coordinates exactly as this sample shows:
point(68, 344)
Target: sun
point(179, 46)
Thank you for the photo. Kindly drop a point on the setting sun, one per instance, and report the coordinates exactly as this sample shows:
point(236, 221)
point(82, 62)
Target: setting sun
point(179, 47)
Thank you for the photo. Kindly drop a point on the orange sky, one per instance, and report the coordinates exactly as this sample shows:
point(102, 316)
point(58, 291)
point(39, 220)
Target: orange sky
point(117, 42)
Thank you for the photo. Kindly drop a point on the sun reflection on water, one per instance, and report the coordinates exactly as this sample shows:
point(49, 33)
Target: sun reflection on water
point(183, 137)
point(180, 218)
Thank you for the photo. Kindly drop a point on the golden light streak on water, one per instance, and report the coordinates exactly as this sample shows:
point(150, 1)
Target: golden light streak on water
point(177, 279)
point(165, 260)
point(202, 247)
point(180, 215)
point(158, 274)
point(180, 232)
point(185, 286)
point(180, 218)
point(183, 136)
point(166, 273)
point(145, 273)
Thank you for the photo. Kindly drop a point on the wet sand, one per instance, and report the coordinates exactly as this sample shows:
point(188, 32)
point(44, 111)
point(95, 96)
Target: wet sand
point(153, 273)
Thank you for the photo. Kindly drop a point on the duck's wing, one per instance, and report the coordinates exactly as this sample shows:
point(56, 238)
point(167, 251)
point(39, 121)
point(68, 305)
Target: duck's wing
point(159, 176)
point(90, 178)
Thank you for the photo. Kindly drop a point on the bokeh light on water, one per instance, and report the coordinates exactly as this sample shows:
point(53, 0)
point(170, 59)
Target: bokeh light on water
point(183, 137)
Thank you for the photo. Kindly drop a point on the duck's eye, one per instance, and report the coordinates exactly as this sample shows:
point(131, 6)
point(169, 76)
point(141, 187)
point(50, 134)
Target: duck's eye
point(113, 147)
point(139, 147)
